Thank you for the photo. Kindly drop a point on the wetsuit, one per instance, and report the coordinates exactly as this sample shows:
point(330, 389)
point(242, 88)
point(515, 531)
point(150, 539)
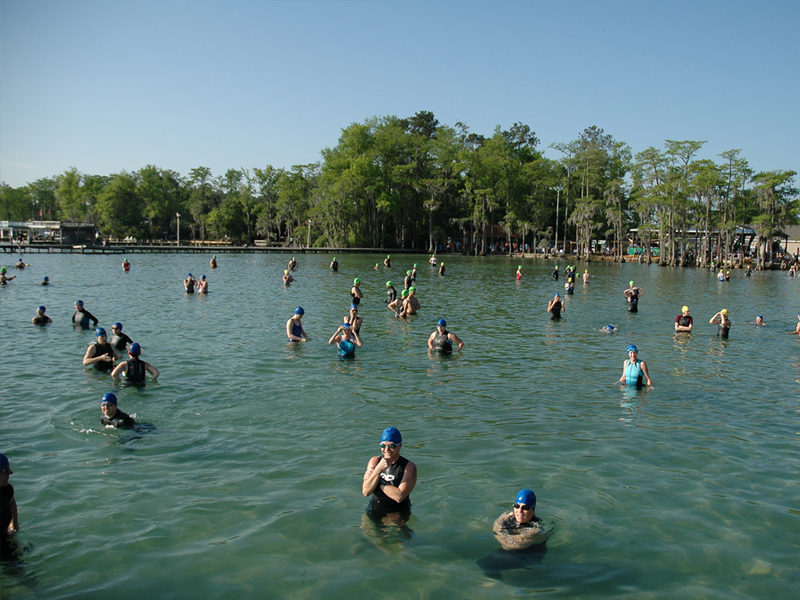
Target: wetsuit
point(120, 341)
point(387, 262)
point(135, 370)
point(380, 503)
point(555, 312)
point(293, 265)
point(335, 265)
point(354, 299)
point(43, 320)
point(106, 350)
point(408, 282)
point(633, 373)
point(347, 349)
point(511, 525)
point(391, 294)
point(120, 420)
point(189, 286)
point(722, 330)
point(82, 318)
point(633, 300)
point(441, 342)
point(570, 289)
point(684, 320)
point(441, 269)
point(555, 275)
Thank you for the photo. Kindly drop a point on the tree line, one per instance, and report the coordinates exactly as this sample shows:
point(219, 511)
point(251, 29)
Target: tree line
point(416, 183)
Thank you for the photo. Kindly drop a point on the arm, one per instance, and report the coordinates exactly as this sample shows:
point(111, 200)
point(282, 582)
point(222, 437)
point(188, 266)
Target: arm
point(646, 374)
point(430, 340)
point(372, 475)
point(13, 526)
point(152, 370)
point(356, 339)
point(91, 317)
point(117, 372)
point(335, 335)
point(456, 340)
point(403, 491)
point(715, 319)
point(89, 358)
point(622, 378)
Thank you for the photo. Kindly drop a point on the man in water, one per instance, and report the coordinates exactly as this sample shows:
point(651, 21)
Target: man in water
point(391, 293)
point(441, 269)
point(100, 354)
point(82, 317)
point(555, 273)
point(414, 272)
point(399, 305)
point(633, 294)
point(555, 307)
point(294, 328)
point(9, 516)
point(346, 339)
point(126, 266)
point(413, 301)
point(723, 323)
point(112, 416)
point(213, 262)
point(390, 478)
point(586, 276)
point(45, 281)
point(118, 339)
point(4, 279)
point(442, 340)
point(520, 528)
point(41, 318)
point(355, 292)
point(432, 260)
point(189, 283)
point(634, 371)
point(407, 280)
point(334, 266)
point(292, 266)
point(21, 264)
point(684, 322)
point(387, 262)
point(134, 368)
point(760, 322)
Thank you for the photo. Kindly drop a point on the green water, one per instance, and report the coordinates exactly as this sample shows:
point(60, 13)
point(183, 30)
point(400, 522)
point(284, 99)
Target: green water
point(250, 486)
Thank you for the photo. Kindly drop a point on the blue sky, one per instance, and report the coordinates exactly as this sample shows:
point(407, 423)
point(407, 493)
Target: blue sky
point(114, 85)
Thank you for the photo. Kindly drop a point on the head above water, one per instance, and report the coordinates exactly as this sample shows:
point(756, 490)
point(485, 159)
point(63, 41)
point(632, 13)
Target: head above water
point(388, 284)
point(356, 281)
point(117, 325)
point(684, 309)
point(46, 279)
point(100, 332)
point(724, 311)
point(135, 349)
point(630, 283)
point(412, 290)
point(109, 398)
point(404, 293)
point(391, 434)
point(441, 323)
point(299, 311)
point(78, 302)
point(41, 309)
point(5, 465)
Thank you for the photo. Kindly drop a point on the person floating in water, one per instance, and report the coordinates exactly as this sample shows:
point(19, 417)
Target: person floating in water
point(723, 322)
point(555, 307)
point(391, 293)
point(9, 515)
point(520, 528)
point(346, 340)
point(118, 339)
point(81, 317)
point(100, 354)
point(134, 369)
point(202, 285)
point(4, 279)
point(684, 321)
point(387, 262)
point(355, 292)
point(41, 318)
point(292, 266)
point(442, 340)
point(389, 479)
point(633, 294)
point(113, 416)
point(334, 266)
point(213, 262)
point(45, 281)
point(519, 272)
point(634, 371)
point(294, 328)
point(126, 266)
point(287, 278)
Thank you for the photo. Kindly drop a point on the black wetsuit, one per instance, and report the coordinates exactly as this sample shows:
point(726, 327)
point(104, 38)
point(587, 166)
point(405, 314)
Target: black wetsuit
point(684, 320)
point(82, 318)
point(555, 275)
point(120, 420)
point(106, 350)
point(43, 320)
point(6, 495)
point(120, 341)
point(354, 299)
point(441, 343)
point(633, 300)
point(380, 503)
point(335, 265)
point(391, 294)
point(723, 331)
point(408, 282)
point(555, 312)
point(189, 285)
point(135, 371)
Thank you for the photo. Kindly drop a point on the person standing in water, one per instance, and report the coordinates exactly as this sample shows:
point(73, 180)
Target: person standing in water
point(189, 283)
point(134, 368)
point(441, 269)
point(118, 339)
point(4, 279)
point(346, 339)
point(355, 292)
point(555, 307)
point(213, 262)
point(41, 318)
point(100, 354)
point(519, 272)
point(391, 293)
point(555, 273)
point(389, 479)
point(9, 515)
point(442, 340)
point(287, 278)
point(292, 266)
point(353, 318)
point(632, 294)
point(202, 285)
point(586, 277)
point(634, 371)
point(334, 266)
point(684, 322)
point(723, 323)
point(387, 262)
point(294, 328)
point(81, 317)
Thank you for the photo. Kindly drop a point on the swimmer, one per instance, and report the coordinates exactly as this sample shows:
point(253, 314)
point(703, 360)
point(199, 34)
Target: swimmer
point(41, 318)
point(399, 305)
point(569, 287)
point(414, 272)
point(391, 293)
point(334, 266)
point(520, 528)
point(389, 479)
point(721, 276)
point(118, 339)
point(21, 264)
point(727, 275)
point(4, 279)
point(609, 328)
point(432, 260)
point(724, 323)
point(134, 368)
point(684, 322)
point(353, 318)
point(442, 340)
point(634, 371)
point(292, 266)
point(82, 317)
point(760, 323)
point(294, 328)
point(126, 266)
point(377, 266)
point(407, 280)
point(519, 272)
point(213, 262)
point(347, 340)
point(555, 307)
point(387, 262)
point(413, 301)
point(112, 416)
point(796, 330)
point(555, 274)
point(202, 285)
point(287, 278)
point(355, 292)
point(189, 283)
point(633, 294)
point(45, 281)
point(748, 273)
point(100, 354)
point(9, 515)
point(441, 269)
point(586, 277)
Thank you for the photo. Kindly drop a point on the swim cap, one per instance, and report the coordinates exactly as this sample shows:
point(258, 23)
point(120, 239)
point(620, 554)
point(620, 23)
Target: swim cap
point(346, 326)
point(404, 293)
point(586, 271)
point(215, 256)
point(526, 497)
point(519, 266)
point(293, 258)
point(609, 328)
point(415, 265)
point(334, 258)
point(46, 279)
point(202, 276)
point(632, 348)
point(556, 295)
point(684, 309)
point(724, 311)
point(356, 281)
point(354, 306)
point(189, 275)
point(79, 302)
point(441, 322)
point(630, 283)
point(408, 272)
point(4, 464)
point(390, 434)
point(569, 280)
point(99, 331)
point(762, 316)
point(42, 308)
point(2, 270)
point(442, 263)
point(285, 272)
point(388, 256)
point(388, 284)
point(118, 325)
point(135, 349)
point(299, 311)
point(109, 398)
point(412, 289)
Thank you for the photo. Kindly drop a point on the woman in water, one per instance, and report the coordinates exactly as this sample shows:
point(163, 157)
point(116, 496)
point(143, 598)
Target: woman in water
point(555, 307)
point(346, 340)
point(634, 371)
point(723, 322)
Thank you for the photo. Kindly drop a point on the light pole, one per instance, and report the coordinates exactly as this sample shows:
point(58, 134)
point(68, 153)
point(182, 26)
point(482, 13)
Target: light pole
point(308, 240)
point(179, 227)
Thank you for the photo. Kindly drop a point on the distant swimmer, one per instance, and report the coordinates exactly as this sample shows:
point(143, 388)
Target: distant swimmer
point(555, 307)
point(748, 273)
point(721, 276)
point(407, 280)
point(45, 281)
point(555, 273)
point(586, 277)
point(432, 260)
point(723, 323)
point(398, 305)
point(609, 328)
point(389, 479)
point(387, 262)
point(189, 283)
point(294, 327)
point(334, 266)
point(82, 317)
point(355, 292)
point(442, 340)
point(377, 267)
point(346, 340)
point(100, 354)
point(633, 294)
point(441, 269)
point(391, 293)
point(9, 515)
point(118, 339)
point(796, 330)
point(202, 285)
point(113, 416)
point(569, 287)
point(414, 272)
point(634, 371)
point(126, 266)
point(413, 301)
point(213, 262)
point(760, 323)
point(287, 278)
point(292, 266)
point(21, 264)
point(520, 528)
point(727, 275)
point(41, 318)
point(134, 369)
point(353, 318)
point(684, 321)
point(519, 272)
point(4, 279)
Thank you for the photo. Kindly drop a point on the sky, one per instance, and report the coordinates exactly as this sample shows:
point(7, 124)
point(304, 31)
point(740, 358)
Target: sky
point(115, 85)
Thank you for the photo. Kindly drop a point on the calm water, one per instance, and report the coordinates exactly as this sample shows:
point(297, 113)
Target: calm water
point(250, 485)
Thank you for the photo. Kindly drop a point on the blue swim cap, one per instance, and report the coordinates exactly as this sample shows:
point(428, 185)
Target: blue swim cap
point(346, 326)
point(79, 302)
point(118, 325)
point(526, 497)
point(441, 322)
point(762, 316)
point(109, 398)
point(202, 276)
point(46, 279)
point(99, 331)
point(632, 348)
point(4, 464)
point(135, 349)
point(390, 434)
point(42, 308)
point(189, 275)
point(609, 328)
point(299, 311)
point(556, 295)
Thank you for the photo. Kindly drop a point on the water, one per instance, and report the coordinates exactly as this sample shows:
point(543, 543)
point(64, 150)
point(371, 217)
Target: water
point(249, 486)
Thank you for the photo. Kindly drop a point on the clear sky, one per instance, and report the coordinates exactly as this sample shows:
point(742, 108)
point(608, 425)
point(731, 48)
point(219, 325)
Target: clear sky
point(114, 85)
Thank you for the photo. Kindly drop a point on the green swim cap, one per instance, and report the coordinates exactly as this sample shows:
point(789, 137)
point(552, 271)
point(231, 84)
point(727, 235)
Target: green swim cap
point(519, 266)
point(630, 283)
point(388, 284)
point(334, 258)
point(415, 265)
point(408, 272)
point(388, 256)
point(404, 293)
point(412, 289)
point(356, 281)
